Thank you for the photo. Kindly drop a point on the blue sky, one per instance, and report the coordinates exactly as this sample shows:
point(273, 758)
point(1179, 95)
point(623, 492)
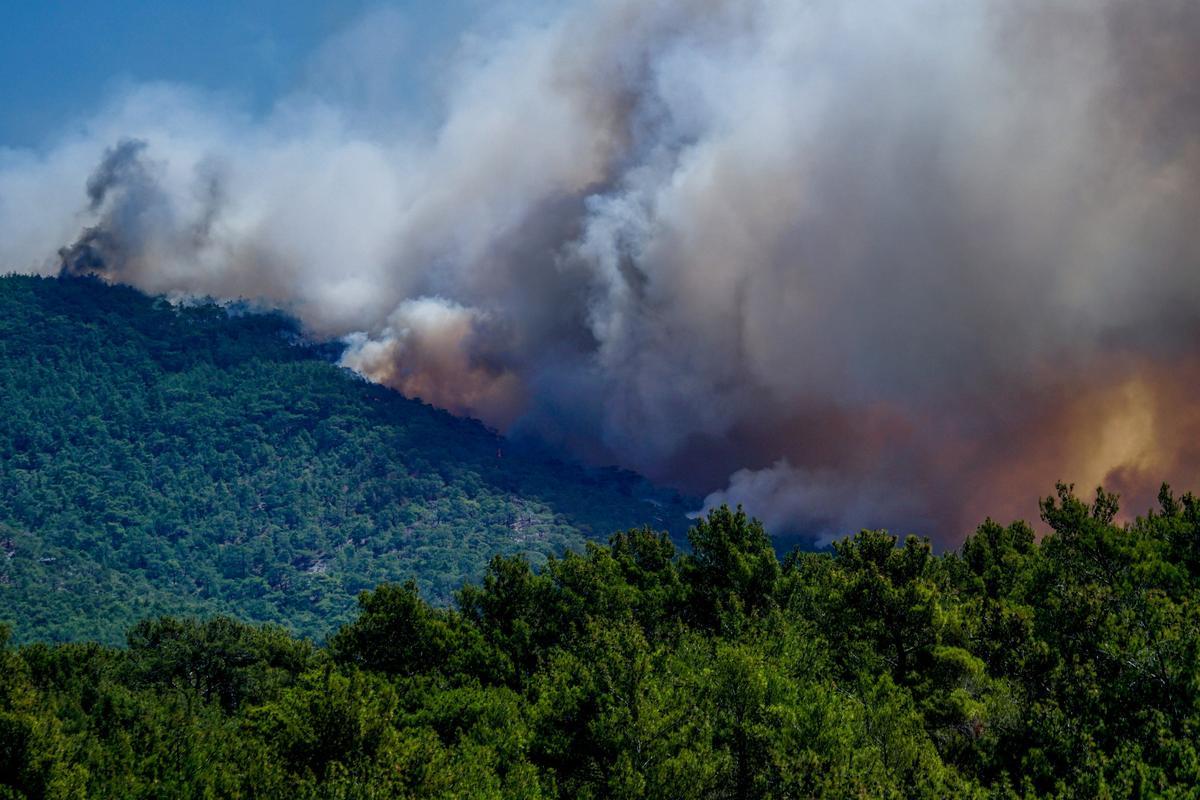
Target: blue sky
point(60, 60)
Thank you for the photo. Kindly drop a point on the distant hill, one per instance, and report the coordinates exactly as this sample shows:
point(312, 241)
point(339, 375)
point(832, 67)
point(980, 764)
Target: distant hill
point(157, 458)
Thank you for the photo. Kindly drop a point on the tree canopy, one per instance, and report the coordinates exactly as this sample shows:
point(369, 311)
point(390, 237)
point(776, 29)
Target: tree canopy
point(160, 458)
point(1012, 668)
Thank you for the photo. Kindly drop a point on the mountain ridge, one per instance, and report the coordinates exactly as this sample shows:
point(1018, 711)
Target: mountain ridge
point(178, 458)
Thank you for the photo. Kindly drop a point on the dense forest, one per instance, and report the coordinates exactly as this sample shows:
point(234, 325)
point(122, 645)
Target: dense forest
point(1066, 667)
point(230, 568)
point(160, 458)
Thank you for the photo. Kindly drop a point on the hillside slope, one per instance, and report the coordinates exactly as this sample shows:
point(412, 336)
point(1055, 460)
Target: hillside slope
point(164, 459)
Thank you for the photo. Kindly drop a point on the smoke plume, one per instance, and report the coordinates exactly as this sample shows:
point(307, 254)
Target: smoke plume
point(851, 263)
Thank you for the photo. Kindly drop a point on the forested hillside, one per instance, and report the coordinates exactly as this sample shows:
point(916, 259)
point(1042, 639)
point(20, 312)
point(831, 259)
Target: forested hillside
point(195, 459)
point(1068, 668)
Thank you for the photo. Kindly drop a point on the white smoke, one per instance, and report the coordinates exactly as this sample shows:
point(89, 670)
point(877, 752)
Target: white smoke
point(870, 260)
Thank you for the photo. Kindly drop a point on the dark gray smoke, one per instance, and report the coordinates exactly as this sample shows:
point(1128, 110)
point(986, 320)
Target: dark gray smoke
point(121, 170)
point(120, 191)
point(851, 263)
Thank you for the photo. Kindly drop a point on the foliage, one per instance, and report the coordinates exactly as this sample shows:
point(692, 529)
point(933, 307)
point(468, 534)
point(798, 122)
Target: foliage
point(192, 458)
point(1013, 668)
